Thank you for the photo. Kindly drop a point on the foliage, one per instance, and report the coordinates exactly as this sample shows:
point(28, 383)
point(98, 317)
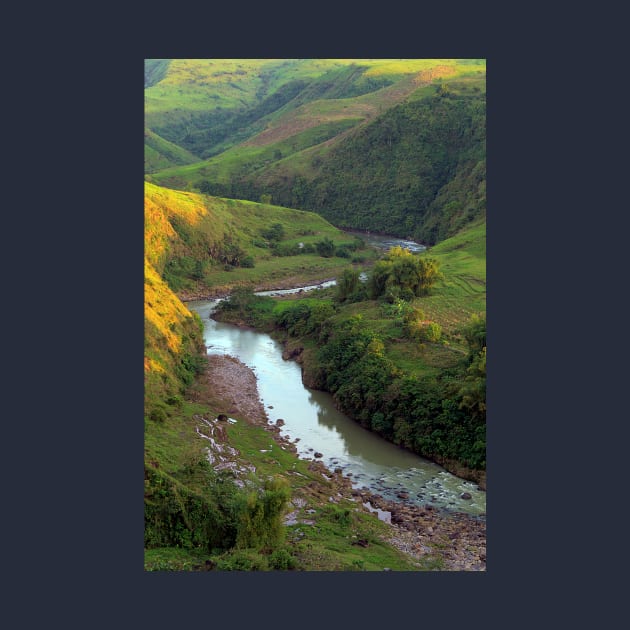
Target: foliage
point(261, 519)
point(325, 248)
point(176, 515)
point(475, 334)
point(349, 287)
point(275, 232)
point(402, 275)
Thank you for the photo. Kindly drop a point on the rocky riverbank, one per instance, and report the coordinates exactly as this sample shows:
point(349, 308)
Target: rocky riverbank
point(460, 539)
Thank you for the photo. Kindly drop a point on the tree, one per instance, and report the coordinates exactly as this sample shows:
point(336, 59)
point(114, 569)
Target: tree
point(402, 275)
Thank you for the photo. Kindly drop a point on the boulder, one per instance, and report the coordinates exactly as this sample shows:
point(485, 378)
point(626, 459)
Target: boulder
point(465, 495)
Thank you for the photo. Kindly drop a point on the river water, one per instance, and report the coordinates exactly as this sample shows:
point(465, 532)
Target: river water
point(310, 417)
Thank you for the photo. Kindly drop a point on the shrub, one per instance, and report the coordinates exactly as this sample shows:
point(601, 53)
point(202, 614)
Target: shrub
point(282, 560)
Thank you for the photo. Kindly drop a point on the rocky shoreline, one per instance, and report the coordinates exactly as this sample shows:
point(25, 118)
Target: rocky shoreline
point(459, 538)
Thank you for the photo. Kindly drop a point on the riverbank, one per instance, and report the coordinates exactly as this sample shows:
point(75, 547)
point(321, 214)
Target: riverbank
point(216, 293)
point(459, 539)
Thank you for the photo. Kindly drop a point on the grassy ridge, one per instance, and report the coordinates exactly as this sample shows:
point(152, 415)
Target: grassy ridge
point(185, 232)
point(160, 153)
point(207, 106)
point(407, 157)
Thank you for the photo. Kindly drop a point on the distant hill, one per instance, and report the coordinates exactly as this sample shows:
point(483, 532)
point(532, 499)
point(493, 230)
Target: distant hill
point(160, 153)
point(395, 146)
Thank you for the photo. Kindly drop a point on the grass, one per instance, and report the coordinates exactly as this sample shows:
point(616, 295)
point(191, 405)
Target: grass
point(160, 153)
point(202, 87)
point(326, 543)
point(201, 220)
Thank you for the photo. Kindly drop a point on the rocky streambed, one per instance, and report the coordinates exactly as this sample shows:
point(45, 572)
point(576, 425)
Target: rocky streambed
point(418, 531)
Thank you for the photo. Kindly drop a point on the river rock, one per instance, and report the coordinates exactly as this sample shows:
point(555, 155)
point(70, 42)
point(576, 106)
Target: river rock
point(222, 417)
point(318, 455)
point(465, 495)
point(280, 422)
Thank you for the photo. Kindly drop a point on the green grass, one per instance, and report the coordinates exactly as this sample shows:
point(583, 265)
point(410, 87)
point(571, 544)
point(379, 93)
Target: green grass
point(324, 545)
point(160, 153)
point(200, 220)
point(248, 158)
point(194, 91)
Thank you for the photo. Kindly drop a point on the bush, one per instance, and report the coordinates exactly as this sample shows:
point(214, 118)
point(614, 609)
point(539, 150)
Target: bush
point(282, 560)
point(276, 232)
point(325, 248)
point(261, 518)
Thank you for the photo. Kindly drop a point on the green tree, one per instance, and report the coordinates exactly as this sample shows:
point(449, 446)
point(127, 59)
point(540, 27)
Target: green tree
point(402, 275)
point(261, 518)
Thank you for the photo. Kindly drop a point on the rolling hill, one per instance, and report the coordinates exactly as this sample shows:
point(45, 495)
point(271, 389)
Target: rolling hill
point(331, 136)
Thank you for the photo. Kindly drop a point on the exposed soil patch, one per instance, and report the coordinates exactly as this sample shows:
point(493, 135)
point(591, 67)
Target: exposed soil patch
point(230, 382)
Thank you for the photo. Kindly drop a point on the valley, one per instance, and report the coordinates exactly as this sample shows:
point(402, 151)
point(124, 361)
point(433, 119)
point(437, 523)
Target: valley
point(250, 166)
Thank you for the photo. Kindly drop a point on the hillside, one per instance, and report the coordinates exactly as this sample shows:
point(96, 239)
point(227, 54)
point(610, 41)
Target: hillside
point(252, 166)
point(160, 153)
point(196, 517)
point(331, 137)
point(203, 245)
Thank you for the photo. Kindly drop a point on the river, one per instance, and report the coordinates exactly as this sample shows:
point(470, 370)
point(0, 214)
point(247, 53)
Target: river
point(311, 418)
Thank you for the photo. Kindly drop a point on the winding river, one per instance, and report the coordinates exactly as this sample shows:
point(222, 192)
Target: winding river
point(312, 421)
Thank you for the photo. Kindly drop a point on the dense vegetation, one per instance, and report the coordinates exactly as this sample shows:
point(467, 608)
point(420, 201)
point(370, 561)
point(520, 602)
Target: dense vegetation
point(356, 342)
point(246, 162)
point(398, 149)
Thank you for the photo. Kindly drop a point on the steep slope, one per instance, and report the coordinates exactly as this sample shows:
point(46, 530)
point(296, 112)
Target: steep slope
point(407, 158)
point(207, 106)
point(160, 153)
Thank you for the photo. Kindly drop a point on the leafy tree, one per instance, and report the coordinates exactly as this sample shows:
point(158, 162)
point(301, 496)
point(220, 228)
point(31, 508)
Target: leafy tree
point(261, 518)
point(475, 334)
point(402, 275)
point(473, 392)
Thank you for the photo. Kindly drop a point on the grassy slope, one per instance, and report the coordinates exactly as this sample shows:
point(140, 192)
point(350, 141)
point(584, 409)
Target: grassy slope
point(289, 122)
point(171, 444)
point(201, 221)
point(458, 294)
point(160, 153)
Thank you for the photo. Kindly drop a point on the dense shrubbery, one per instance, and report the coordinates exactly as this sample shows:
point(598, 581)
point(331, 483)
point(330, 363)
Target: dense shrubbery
point(440, 417)
point(219, 517)
point(401, 274)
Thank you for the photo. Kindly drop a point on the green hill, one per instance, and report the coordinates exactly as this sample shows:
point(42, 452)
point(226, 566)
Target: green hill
point(195, 516)
point(251, 167)
point(160, 154)
point(396, 146)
